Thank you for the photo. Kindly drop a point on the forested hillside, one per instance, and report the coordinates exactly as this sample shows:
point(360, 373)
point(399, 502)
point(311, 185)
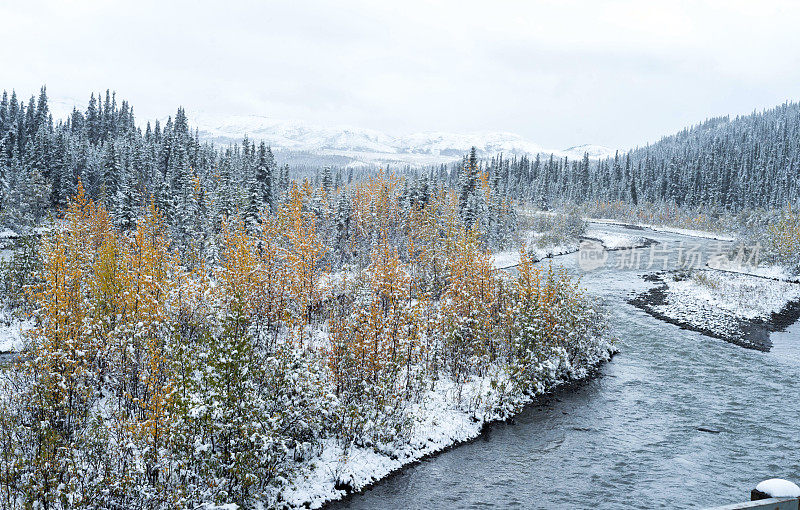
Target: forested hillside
point(43, 159)
point(194, 184)
point(732, 164)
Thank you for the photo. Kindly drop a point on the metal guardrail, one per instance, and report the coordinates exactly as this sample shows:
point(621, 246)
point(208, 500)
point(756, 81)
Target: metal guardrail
point(764, 504)
point(772, 494)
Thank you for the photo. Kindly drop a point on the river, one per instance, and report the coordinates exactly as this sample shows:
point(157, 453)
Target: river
point(630, 437)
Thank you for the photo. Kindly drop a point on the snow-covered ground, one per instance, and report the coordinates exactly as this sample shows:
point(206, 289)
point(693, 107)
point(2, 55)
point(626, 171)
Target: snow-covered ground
point(614, 241)
point(739, 308)
point(12, 328)
point(446, 416)
point(660, 228)
point(510, 258)
point(534, 244)
point(439, 423)
point(772, 272)
point(12, 332)
point(737, 295)
point(8, 234)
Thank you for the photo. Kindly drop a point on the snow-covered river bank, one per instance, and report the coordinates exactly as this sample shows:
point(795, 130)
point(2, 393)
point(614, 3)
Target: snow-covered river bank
point(629, 437)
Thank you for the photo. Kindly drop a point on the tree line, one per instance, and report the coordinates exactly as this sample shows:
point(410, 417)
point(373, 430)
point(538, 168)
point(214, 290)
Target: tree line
point(194, 184)
point(726, 164)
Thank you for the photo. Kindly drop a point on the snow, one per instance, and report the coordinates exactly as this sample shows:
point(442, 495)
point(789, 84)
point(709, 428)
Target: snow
point(594, 151)
point(779, 488)
point(736, 307)
point(439, 423)
point(532, 242)
point(773, 272)
point(329, 281)
point(505, 259)
point(446, 416)
point(660, 228)
point(717, 293)
point(12, 332)
point(510, 258)
point(614, 241)
point(718, 236)
point(371, 146)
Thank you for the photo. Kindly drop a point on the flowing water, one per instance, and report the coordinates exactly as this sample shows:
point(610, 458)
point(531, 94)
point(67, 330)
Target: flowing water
point(630, 437)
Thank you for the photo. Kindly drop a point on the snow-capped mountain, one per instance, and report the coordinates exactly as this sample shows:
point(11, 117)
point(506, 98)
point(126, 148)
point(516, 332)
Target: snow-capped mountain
point(294, 140)
point(594, 151)
point(303, 142)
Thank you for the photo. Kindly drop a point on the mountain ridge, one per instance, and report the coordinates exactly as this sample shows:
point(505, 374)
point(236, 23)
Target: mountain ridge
point(345, 145)
point(370, 146)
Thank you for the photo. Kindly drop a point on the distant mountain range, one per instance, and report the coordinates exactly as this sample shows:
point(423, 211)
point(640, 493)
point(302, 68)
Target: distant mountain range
point(301, 142)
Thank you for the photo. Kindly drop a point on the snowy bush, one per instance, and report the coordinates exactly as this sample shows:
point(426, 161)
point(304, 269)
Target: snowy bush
point(557, 228)
point(555, 333)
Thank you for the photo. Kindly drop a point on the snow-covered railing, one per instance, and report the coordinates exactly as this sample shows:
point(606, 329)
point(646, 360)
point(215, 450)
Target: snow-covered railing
point(763, 504)
point(772, 494)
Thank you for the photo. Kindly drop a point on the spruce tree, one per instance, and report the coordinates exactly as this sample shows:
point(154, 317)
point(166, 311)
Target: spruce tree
point(93, 121)
point(468, 188)
point(265, 176)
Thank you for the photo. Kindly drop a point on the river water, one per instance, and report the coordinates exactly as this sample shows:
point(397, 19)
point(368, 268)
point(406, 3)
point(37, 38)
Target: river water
point(630, 437)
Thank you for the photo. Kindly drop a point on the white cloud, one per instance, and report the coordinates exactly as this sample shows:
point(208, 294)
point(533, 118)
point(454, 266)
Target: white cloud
point(561, 73)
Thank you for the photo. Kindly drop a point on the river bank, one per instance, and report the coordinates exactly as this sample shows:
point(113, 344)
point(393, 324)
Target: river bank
point(445, 418)
point(610, 242)
point(633, 433)
point(685, 232)
point(531, 403)
point(736, 307)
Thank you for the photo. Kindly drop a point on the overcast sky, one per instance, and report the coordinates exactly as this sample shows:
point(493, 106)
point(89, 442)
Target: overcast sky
point(560, 73)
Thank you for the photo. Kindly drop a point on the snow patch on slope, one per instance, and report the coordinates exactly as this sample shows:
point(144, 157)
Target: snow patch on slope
point(594, 151)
